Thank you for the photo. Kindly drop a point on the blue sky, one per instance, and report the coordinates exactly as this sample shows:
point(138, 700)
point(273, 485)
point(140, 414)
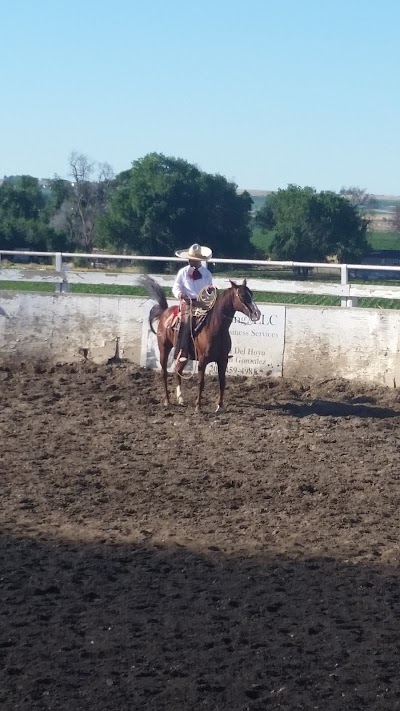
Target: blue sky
point(265, 93)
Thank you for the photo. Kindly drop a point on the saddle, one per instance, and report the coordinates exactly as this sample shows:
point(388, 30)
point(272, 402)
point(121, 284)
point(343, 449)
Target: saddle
point(199, 311)
point(198, 317)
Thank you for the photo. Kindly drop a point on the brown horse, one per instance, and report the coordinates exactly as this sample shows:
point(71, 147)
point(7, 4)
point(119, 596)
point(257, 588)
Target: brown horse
point(213, 342)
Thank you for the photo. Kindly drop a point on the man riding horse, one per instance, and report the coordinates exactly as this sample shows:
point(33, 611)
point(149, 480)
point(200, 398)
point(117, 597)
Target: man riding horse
point(189, 282)
point(212, 342)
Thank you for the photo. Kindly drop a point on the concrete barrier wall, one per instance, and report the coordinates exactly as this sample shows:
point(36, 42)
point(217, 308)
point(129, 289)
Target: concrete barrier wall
point(64, 326)
point(295, 341)
point(358, 344)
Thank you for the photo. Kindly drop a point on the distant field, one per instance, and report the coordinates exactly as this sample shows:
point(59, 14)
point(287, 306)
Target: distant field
point(384, 240)
point(384, 203)
point(378, 240)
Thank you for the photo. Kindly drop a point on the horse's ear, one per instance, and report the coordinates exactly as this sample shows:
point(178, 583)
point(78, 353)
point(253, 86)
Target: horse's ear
point(233, 283)
point(244, 282)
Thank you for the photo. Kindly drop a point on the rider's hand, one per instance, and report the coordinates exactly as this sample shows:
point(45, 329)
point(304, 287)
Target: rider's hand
point(184, 297)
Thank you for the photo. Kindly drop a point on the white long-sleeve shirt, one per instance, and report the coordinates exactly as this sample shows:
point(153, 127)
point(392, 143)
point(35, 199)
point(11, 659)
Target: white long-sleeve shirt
point(191, 287)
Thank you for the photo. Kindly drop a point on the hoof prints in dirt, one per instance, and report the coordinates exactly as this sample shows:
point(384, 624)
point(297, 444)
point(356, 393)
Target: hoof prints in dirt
point(242, 562)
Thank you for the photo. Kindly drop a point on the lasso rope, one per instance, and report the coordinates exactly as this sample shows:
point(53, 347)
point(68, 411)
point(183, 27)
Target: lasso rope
point(207, 297)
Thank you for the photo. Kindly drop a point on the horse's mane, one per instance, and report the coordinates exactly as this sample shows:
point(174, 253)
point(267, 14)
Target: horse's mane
point(216, 311)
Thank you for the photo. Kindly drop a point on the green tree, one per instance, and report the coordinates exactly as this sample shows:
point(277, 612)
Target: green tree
point(24, 216)
point(22, 198)
point(163, 204)
point(310, 226)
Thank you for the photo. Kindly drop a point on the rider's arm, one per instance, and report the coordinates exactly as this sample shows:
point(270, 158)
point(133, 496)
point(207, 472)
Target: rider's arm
point(177, 288)
point(208, 278)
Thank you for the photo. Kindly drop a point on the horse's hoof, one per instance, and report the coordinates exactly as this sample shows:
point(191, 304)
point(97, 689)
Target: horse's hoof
point(220, 408)
point(166, 403)
point(180, 401)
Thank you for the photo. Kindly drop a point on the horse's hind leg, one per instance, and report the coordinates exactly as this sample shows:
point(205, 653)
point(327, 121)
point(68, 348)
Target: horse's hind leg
point(165, 349)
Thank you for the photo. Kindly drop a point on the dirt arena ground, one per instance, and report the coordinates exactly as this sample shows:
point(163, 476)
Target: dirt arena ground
point(158, 559)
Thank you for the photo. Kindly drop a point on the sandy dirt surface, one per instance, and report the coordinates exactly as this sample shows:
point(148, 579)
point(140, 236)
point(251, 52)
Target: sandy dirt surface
point(158, 559)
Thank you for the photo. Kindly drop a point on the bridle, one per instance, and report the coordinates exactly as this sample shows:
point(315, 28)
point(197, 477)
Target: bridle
point(247, 307)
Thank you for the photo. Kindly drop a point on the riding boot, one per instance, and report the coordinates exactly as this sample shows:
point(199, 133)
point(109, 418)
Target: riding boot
point(183, 342)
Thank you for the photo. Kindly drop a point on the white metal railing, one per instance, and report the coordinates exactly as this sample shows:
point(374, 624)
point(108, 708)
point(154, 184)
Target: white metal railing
point(62, 276)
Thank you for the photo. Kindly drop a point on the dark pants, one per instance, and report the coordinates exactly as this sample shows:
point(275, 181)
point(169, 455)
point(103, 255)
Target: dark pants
point(184, 338)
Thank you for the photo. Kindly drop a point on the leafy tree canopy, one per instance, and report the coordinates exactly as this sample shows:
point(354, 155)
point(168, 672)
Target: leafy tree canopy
point(22, 198)
point(164, 203)
point(310, 226)
point(24, 216)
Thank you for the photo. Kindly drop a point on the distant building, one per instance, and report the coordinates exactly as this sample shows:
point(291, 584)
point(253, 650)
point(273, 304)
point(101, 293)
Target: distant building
point(381, 257)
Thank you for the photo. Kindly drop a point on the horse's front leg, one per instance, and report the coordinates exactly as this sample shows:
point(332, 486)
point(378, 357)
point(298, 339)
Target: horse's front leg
point(201, 374)
point(222, 365)
point(178, 373)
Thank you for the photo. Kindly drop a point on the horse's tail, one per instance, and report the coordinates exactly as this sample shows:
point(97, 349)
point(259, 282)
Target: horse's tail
point(154, 315)
point(156, 292)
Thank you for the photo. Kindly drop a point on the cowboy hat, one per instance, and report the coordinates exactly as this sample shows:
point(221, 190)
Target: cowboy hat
point(196, 251)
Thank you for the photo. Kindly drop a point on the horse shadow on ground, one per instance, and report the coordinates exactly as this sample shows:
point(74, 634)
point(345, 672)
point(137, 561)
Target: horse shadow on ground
point(330, 408)
point(114, 627)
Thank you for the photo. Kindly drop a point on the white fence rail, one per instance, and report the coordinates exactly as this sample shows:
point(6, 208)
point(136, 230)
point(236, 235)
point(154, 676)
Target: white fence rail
point(62, 275)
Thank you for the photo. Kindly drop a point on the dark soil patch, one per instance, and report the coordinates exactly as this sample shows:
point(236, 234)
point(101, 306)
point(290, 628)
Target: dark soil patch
point(158, 559)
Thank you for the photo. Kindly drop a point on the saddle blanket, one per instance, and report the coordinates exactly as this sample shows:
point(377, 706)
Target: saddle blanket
point(173, 318)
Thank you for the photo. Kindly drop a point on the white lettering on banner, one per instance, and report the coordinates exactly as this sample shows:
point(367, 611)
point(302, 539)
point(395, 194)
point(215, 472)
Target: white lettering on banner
point(257, 348)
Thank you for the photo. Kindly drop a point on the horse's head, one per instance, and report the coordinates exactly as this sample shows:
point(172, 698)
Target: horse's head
point(243, 300)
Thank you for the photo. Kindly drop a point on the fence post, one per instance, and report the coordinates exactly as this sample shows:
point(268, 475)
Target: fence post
point(58, 266)
point(344, 281)
point(346, 301)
